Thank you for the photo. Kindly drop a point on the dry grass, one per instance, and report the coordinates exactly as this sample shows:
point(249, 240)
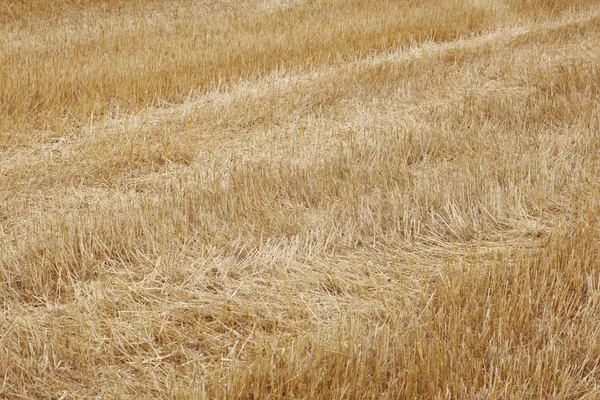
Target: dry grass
point(300, 199)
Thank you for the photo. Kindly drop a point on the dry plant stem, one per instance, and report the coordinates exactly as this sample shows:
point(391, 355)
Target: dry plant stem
point(299, 199)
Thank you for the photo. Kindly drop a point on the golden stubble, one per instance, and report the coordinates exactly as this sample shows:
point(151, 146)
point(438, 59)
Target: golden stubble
point(294, 199)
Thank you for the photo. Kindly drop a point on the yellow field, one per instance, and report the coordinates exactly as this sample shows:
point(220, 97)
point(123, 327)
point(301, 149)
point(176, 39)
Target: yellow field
point(335, 199)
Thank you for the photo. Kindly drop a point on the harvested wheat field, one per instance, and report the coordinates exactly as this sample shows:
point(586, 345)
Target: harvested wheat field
point(300, 199)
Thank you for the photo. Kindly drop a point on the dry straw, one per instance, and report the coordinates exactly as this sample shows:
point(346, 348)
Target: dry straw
point(299, 199)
